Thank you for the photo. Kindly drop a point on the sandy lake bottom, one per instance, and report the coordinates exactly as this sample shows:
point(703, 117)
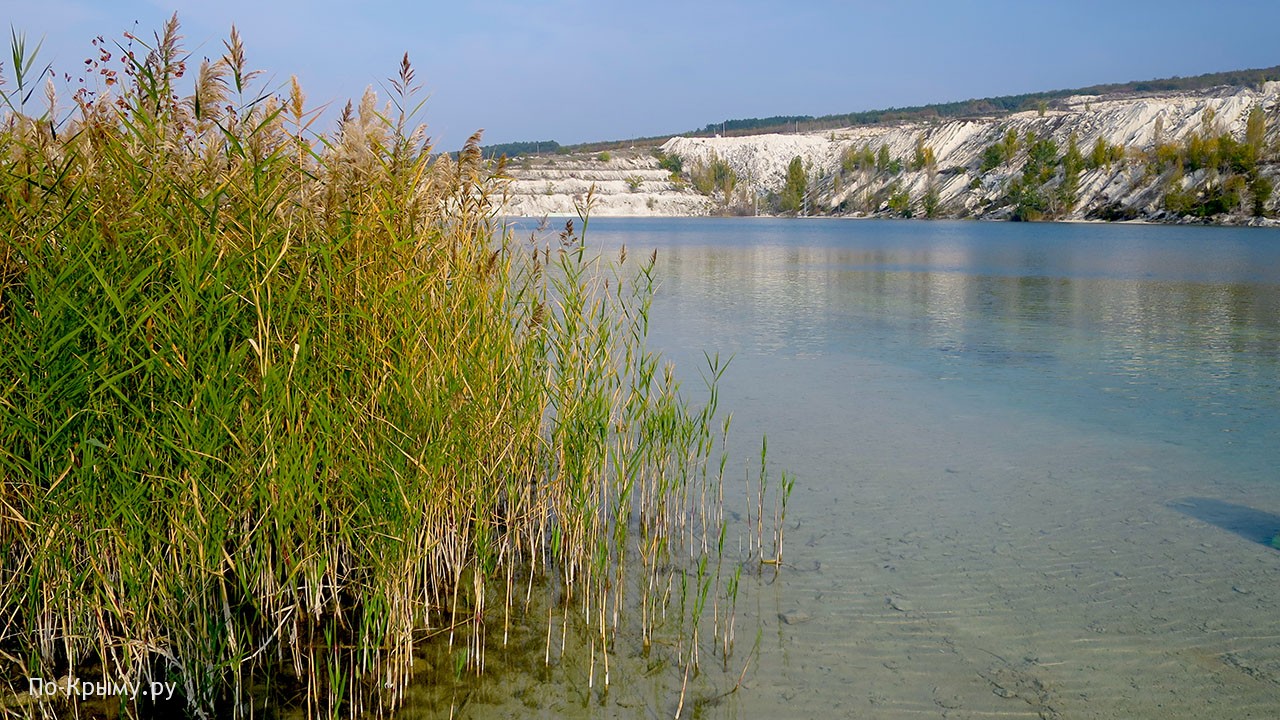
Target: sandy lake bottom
point(979, 562)
point(1019, 508)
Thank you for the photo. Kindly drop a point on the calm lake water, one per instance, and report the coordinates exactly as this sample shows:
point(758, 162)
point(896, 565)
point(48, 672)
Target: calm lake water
point(1037, 464)
point(1162, 333)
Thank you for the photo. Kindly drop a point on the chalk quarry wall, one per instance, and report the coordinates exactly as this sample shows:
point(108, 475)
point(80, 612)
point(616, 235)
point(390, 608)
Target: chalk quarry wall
point(625, 184)
point(633, 184)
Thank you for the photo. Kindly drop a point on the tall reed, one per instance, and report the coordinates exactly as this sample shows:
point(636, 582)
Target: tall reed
point(277, 406)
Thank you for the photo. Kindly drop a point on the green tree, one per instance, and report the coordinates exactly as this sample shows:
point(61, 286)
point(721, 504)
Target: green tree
point(992, 157)
point(923, 156)
point(849, 159)
point(1104, 154)
point(1168, 155)
point(727, 181)
point(793, 194)
point(1042, 157)
point(1098, 157)
point(1210, 128)
point(931, 203)
point(1072, 164)
point(714, 176)
point(1255, 132)
point(900, 201)
point(1073, 160)
point(670, 163)
point(1236, 156)
point(858, 158)
point(882, 158)
point(1027, 193)
point(1232, 192)
point(1261, 188)
point(1180, 201)
point(1029, 201)
point(1200, 152)
point(1009, 147)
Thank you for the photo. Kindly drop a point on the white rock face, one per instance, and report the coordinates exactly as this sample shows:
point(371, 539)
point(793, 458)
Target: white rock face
point(628, 183)
point(549, 185)
point(761, 160)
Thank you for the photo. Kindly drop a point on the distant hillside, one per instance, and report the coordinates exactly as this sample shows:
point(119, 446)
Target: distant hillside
point(975, 108)
point(986, 107)
point(515, 149)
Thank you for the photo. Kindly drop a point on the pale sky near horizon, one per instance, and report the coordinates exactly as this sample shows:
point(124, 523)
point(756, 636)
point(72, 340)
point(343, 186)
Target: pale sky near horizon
point(576, 71)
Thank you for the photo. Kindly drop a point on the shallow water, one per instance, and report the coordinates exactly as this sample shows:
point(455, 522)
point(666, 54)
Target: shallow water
point(1037, 463)
point(1168, 333)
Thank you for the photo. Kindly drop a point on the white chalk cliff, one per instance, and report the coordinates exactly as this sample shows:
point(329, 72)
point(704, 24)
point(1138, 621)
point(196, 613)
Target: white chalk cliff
point(631, 183)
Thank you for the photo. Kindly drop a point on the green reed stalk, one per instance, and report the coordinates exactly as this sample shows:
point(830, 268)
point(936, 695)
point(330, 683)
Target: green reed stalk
point(276, 406)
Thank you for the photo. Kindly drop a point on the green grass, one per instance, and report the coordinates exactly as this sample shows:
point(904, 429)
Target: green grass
point(277, 407)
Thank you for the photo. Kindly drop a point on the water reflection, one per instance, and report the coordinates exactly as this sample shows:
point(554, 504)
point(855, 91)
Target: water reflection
point(990, 424)
point(1146, 328)
point(815, 296)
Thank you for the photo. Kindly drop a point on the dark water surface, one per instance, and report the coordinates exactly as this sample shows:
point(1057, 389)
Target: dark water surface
point(1036, 464)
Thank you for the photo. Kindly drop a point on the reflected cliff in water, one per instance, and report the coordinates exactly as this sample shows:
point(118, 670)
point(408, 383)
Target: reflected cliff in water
point(1144, 328)
point(1035, 463)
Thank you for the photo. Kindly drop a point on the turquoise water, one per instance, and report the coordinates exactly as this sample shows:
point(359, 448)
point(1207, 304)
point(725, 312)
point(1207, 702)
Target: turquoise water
point(1167, 333)
point(1036, 464)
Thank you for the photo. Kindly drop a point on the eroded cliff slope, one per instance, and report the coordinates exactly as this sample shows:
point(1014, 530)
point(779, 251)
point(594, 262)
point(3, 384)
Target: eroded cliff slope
point(1205, 156)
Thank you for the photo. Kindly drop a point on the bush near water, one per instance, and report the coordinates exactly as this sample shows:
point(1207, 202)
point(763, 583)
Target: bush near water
point(278, 406)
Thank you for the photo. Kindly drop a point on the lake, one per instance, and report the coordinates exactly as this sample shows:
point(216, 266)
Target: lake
point(1037, 463)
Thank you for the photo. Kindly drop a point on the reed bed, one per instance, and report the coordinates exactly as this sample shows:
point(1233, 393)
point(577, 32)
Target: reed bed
point(277, 406)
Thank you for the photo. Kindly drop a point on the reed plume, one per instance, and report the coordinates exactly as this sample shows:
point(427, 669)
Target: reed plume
point(278, 406)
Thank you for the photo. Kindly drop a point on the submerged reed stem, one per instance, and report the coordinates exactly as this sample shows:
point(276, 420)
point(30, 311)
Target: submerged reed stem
point(277, 405)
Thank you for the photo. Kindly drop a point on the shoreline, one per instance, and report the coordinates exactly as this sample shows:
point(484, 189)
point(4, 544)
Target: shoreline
point(1236, 222)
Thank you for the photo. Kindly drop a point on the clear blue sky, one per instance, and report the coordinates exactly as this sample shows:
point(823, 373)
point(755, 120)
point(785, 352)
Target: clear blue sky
point(575, 71)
